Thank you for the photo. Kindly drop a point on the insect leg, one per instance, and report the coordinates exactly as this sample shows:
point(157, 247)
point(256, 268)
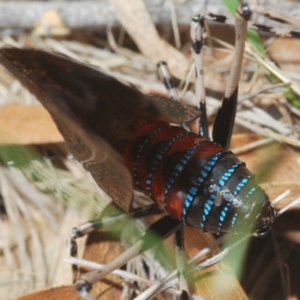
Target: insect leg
point(259, 10)
point(161, 229)
point(106, 222)
point(197, 28)
point(165, 77)
point(278, 17)
point(225, 117)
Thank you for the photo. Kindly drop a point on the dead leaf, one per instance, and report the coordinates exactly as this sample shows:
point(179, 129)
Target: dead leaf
point(58, 293)
point(23, 124)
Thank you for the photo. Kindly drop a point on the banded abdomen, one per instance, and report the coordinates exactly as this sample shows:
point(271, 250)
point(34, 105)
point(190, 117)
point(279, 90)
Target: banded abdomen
point(194, 180)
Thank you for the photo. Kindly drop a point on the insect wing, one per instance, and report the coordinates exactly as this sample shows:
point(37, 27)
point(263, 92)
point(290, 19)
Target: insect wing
point(174, 111)
point(94, 112)
point(104, 163)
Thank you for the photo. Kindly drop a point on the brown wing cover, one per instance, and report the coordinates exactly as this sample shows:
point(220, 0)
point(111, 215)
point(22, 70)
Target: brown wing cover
point(94, 112)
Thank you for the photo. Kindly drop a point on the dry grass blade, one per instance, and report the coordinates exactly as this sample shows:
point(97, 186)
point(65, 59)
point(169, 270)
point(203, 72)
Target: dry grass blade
point(137, 22)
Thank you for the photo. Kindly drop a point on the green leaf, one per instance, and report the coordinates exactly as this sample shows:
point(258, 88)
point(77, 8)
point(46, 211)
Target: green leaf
point(231, 5)
point(293, 98)
point(253, 39)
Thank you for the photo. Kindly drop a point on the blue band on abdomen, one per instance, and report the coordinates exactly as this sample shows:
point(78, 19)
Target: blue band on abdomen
point(194, 189)
point(158, 157)
point(141, 147)
point(179, 167)
point(234, 194)
point(209, 203)
point(251, 191)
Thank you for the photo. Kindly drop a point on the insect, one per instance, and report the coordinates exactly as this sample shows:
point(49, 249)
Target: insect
point(198, 182)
